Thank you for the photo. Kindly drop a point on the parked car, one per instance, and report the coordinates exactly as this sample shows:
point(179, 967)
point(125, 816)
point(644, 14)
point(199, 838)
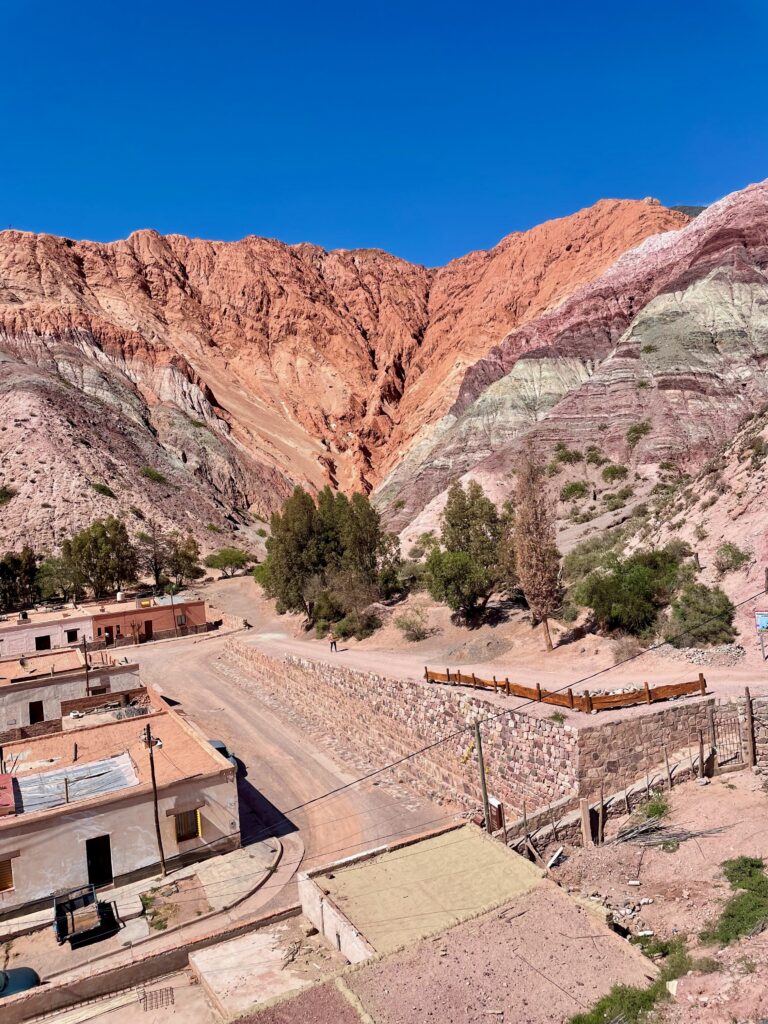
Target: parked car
point(17, 979)
point(224, 750)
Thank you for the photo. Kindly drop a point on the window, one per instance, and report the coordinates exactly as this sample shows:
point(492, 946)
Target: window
point(42, 643)
point(117, 630)
point(72, 636)
point(188, 826)
point(98, 633)
point(6, 875)
point(181, 620)
point(36, 712)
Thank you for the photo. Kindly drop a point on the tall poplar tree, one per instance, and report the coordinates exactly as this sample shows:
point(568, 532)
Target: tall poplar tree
point(537, 559)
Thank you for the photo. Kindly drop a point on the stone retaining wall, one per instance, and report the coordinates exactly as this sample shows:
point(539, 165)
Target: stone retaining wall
point(380, 719)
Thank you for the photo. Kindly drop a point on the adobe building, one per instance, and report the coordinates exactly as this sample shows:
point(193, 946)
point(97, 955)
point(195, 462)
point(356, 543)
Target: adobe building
point(33, 686)
point(104, 624)
point(77, 807)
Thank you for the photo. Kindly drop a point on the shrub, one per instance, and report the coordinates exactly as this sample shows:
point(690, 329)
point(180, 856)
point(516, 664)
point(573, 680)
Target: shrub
point(6, 494)
point(399, 504)
point(626, 647)
point(591, 554)
point(656, 806)
point(105, 491)
point(595, 457)
point(357, 624)
point(613, 473)
point(745, 912)
point(729, 558)
point(413, 624)
point(553, 468)
point(648, 349)
point(637, 431)
point(569, 456)
point(213, 528)
point(261, 532)
point(701, 615)
point(328, 607)
point(643, 383)
point(136, 512)
point(321, 628)
point(573, 490)
point(153, 474)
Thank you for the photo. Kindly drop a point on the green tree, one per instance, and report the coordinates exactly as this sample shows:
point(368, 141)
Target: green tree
point(182, 553)
point(536, 554)
point(18, 579)
point(294, 551)
point(101, 556)
point(152, 551)
point(457, 580)
point(229, 560)
point(55, 579)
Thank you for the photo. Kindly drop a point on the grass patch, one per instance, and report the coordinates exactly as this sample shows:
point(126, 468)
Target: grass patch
point(747, 912)
point(656, 806)
point(557, 717)
point(105, 491)
point(213, 528)
point(575, 489)
point(153, 474)
point(636, 432)
point(614, 472)
point(630, 1004)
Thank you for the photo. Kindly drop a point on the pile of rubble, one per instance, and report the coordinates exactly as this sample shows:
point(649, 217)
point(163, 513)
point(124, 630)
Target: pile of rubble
point(723, 655)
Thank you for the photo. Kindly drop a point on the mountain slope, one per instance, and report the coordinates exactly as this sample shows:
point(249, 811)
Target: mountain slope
point(235, 369)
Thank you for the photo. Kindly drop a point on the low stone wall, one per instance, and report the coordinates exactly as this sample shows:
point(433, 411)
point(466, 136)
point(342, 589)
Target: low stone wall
point(380, 719)
point(760, 717)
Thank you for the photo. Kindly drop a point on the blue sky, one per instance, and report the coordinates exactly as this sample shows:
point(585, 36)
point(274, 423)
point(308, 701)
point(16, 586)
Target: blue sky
point(428, 129)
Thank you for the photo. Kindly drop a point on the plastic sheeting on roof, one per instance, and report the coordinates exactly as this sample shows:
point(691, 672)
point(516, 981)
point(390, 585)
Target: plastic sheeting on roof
point(45, 790)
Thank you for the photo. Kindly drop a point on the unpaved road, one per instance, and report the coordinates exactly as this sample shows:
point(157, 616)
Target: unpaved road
point(282, 770)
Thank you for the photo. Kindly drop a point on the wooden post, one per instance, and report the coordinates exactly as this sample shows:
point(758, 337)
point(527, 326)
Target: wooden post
point(448, 673)
point(587, 701)
point(426, 673)
point(474, 681)
point(751, 756)
point(647, 692)
point(570, 699)
point(586, 823)
point(711, 726)
point(701, 753)
point(504, 823)
point(495, 684)
point(538, 691)
point(149, 739)
point(601, 817)
point(669, 772)
point(74, 753)
point(525, 819)
point(627, 805)
point(506, 682)
point(702, 684)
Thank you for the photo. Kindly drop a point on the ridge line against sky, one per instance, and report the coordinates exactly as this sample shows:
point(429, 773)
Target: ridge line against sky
point(428, 131)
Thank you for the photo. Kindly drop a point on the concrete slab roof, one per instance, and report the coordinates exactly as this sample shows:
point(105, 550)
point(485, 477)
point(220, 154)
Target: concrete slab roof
point(404, 894)
point(67, 659)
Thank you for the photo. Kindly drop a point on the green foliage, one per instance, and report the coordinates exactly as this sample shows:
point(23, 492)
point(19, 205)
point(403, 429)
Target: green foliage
point(19, 579)
point(153, 474)
point(701, 615)
point(566, 455)
point(591, 554)
point(182, 557)
point(729, 558)
point(628, 593)
point(332, 550)
point(101, 557)
point(357, 624)
point(137, 513)
point(656, 806)
point(458, 581)
point(636, 432)
point(648, 349)
point(413, 624)
point(229, 560)
point(261, 532)
point(613, 473)
point(102, 489)
point(213, 528)
point(595, 457)
point(573, 490)
point(7, 494)
point(745, 912)
point(557, 717)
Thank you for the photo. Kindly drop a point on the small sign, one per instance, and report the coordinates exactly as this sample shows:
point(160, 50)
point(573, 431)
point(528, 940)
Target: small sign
point(145, 602)
point(761, 620)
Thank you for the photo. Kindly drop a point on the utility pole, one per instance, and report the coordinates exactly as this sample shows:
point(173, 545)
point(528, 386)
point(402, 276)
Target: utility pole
point(483, 789)
point(150, 740)
point(85, 659)
point(173, 610)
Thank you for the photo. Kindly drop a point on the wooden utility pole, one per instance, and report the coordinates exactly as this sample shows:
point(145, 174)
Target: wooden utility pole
point(483, 788)
point(150, 740)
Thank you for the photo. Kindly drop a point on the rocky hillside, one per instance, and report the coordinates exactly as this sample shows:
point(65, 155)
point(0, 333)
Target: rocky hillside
point(197, 381)
point(654, 362)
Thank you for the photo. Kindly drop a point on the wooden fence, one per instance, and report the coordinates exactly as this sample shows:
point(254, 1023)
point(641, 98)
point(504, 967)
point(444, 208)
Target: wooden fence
point(582, 701)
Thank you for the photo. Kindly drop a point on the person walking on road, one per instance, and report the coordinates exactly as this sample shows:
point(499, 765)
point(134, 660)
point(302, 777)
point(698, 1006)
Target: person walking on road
point(332, 638)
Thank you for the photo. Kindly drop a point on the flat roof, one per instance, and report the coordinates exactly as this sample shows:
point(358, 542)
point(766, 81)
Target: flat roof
point(413, 891)
point(40, 791)
point(182, 754)
point(46, 666)
point(73, 613)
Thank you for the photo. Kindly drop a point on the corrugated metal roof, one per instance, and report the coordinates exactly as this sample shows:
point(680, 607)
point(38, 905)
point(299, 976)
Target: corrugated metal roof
point(76, 782)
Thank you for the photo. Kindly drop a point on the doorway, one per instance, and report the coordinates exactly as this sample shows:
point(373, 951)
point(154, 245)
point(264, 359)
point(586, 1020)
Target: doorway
point(148, 630)
point(98, 855)
point(36, 713)
point(109, 635)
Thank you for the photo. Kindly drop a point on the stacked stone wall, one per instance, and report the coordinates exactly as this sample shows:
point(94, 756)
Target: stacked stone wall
point(379, 719)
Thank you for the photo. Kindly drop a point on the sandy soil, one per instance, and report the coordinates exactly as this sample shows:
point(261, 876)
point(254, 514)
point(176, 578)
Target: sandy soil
point(687, 886)
point(510, 647)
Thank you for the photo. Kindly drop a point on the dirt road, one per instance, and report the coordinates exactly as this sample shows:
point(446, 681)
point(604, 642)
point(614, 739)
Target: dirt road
point(282, 770)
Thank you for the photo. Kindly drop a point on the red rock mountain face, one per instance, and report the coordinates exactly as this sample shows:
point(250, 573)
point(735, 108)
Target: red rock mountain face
point(195, 382)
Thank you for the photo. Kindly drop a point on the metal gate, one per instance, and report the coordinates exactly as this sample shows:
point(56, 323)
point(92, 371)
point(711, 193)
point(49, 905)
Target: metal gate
point(728, 744)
